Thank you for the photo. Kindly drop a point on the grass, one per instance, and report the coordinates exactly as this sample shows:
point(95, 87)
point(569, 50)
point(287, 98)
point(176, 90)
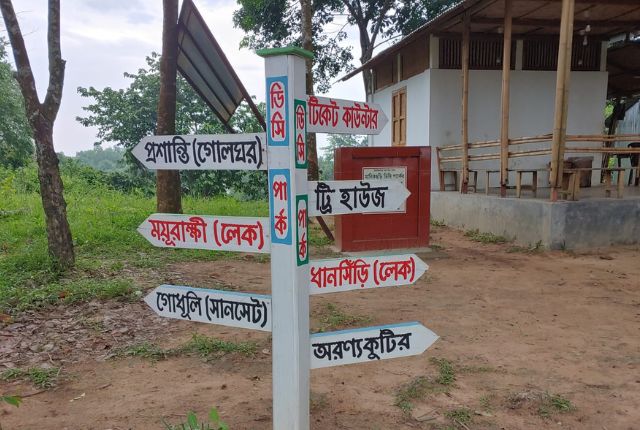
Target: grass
point(40, 377)
point(554, 403)
point(146, 350)
point(332, 318)
point(103, 223)
point(486, 238)
point(460, 416)
point(533, 249)
point(437, 223)
point(208, 347)
point(446, 373)
point(416, 389)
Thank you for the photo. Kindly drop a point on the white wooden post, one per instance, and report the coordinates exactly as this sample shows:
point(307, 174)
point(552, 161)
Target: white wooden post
point(287, 166)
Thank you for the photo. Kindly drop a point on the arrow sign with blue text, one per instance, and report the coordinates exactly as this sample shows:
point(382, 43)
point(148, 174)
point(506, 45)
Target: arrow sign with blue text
point(351, 197)
point(361, 345)
point(327, 115)
point(356, 273)
point(203, 152)
point(228, 308)
point(216, 233)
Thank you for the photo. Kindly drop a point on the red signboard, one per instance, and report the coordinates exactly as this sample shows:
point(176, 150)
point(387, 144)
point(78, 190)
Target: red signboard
point(406, 228)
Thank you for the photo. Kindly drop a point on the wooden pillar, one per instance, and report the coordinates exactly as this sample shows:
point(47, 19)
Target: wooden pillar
point(506, 81)
point(464, 183)
point(562, 97)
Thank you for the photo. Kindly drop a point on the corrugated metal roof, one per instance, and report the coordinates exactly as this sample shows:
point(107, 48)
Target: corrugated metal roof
point(203, 64)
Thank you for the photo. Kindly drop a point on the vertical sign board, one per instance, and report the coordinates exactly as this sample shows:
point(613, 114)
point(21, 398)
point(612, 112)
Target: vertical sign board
point(287, 166)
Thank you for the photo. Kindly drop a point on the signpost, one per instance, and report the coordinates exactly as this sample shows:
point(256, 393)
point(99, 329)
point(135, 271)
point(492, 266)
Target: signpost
point(212, 306)
point(369, 344)
point(203, 152)
point(356, 273)
point(282, 151)
point(218, 233)
point(349, 197)
point(327, 115)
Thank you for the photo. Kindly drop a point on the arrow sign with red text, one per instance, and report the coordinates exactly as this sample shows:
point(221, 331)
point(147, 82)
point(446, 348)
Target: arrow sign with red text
point(327, 115)
point(218, 233)
point(353, 273)
point(228, 308)
point(203, 152)
point(361, 345)
point(350, 197)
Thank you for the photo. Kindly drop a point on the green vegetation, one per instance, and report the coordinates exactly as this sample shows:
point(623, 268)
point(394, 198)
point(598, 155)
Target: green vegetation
point(538, 247)
point(485, 238)
point(437, 223)
point(332, 318)
point(460, 416)
point(335, 141)
point(554, 403)
point(40, 377)
point(109, 250)
point(11, 400)
point(446, 373)
point(192, 423)
point(209, 348)
point(417, 389)
point(206, 347)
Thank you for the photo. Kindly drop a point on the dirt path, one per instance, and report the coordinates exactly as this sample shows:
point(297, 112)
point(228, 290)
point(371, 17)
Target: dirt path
point(524, 332)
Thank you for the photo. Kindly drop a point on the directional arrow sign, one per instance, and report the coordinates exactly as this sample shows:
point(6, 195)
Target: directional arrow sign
point(350, 197)
point(212, 306)
point(369, 344)
point(203, 152)
point(328, 115)
point(219, 233)
point(344, 274)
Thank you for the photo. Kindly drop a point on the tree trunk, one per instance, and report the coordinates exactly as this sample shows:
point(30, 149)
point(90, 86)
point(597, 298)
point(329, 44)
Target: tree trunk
point(51, 192)
point(307, 43)
point(168, 188)
point(41, 119)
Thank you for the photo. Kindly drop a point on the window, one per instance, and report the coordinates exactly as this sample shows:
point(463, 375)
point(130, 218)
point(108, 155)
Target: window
point(399, 117)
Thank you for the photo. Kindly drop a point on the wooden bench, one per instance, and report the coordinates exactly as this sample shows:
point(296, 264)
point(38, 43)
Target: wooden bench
point(534, 181)
point(456, 174)
point(573, 190)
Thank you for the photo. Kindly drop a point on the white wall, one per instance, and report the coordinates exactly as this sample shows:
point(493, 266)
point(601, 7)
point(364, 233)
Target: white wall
point(417, 111)
point(532, 108)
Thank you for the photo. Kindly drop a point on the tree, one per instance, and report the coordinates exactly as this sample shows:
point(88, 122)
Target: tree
point(127, 115)
point(16, 145)
point(103, 159)
point(271, 23)
point(168, 195)
point(41, 117)
point(336, 141)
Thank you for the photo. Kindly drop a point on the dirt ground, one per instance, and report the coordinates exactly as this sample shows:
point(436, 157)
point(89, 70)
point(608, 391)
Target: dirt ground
point(517, 326)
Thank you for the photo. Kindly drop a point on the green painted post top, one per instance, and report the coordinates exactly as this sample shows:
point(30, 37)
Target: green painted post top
point(285, 50)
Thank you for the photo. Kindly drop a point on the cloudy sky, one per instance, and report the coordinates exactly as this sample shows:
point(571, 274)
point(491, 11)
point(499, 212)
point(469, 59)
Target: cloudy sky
point(102, 39)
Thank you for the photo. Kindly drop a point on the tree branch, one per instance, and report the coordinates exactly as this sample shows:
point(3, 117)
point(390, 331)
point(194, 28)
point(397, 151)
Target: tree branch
point(56, 63)
point(378, 26)
point(24, 74)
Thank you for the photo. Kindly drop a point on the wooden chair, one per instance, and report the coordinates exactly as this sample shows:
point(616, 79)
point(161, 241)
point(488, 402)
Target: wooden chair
point(534, 181)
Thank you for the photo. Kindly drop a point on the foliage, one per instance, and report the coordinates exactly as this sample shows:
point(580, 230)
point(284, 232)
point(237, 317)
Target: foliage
point(192, 423)
point(16, 145)
point(127, 115)
point(274, 23)
point(208, 347)
point(332, 317)
point(103, 159)
point(447, 374)
point(11, 400)
point(461, 416)
point(477, 236)
point(326, 161)
point(104, 221)
point(39, 376)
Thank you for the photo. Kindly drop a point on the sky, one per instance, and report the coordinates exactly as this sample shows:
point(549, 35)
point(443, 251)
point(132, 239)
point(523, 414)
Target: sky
point(102, 39)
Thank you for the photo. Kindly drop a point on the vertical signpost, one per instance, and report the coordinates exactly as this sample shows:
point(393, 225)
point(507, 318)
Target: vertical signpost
point(285, 235)
point(288, 214)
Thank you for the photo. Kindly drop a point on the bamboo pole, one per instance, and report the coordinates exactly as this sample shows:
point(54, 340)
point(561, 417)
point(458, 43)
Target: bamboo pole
point(562, 95)
point(464, 183)
point(506, 81)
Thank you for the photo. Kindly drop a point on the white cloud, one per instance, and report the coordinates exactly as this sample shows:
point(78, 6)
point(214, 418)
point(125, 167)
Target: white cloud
point(102, 39)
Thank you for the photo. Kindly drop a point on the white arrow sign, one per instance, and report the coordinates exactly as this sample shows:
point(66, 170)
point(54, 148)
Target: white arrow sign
point(219, 233)
point(326, 115)
point(203, 152)
point(369, 344)
point(350, 197)
point(353, 273)
point(212, 306)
